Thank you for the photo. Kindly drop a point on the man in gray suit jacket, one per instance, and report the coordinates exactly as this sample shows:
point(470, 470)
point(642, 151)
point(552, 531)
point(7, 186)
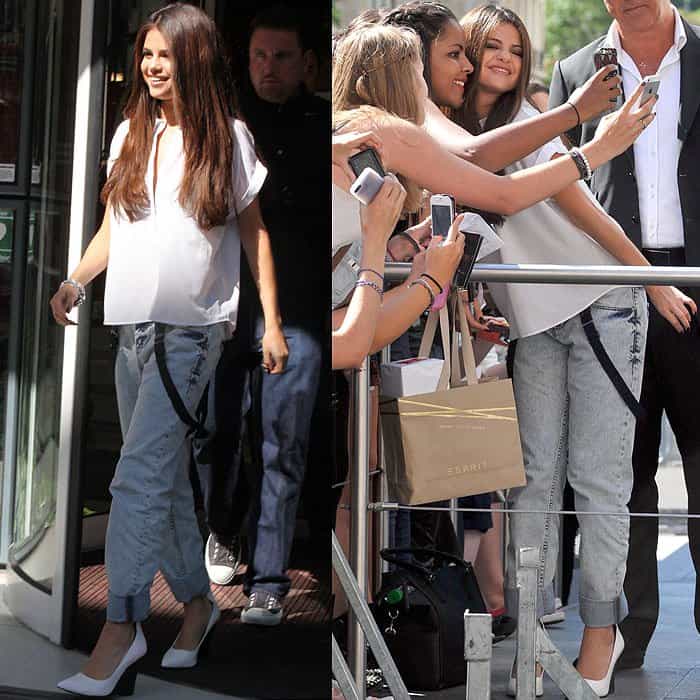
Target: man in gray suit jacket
point(652, 191)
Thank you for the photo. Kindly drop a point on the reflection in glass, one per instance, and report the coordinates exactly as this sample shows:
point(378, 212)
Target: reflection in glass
point(33, 549)
point(7, 227)
point(11, 60)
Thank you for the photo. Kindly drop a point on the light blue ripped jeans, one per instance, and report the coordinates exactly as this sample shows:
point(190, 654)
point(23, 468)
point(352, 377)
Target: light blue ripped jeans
point(152, 523)
point(573, 424)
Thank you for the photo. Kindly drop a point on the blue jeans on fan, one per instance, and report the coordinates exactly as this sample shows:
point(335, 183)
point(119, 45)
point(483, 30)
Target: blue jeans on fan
point(152, 523)
point(574, 424)
point(283, 405)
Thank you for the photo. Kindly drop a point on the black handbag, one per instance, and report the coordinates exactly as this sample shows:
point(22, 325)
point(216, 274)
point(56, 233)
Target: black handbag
point(420, 612)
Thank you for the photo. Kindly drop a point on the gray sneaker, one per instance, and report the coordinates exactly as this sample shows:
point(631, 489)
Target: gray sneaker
point(222, 557)
point(263, 609)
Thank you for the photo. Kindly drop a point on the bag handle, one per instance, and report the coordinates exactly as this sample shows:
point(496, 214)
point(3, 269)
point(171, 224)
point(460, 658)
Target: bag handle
point(462, 358)
point(391, 556)
point(426, 343)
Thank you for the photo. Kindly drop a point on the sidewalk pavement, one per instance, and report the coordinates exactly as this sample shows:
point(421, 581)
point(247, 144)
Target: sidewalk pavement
point(30, 662)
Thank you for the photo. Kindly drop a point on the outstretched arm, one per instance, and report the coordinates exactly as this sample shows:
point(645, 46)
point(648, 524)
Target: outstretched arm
point(497, 148)
point(408, 148)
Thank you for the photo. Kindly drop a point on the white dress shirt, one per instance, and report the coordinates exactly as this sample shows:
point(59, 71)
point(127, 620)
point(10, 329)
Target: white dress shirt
point(163, 267)
point(657, 149)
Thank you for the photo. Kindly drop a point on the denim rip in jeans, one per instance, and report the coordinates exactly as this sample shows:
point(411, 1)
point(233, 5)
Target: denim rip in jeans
point(152, 523)
point(573, 424)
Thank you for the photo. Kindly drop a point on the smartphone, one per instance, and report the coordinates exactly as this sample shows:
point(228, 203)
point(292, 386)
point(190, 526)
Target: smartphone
point(368, 158)
point(651, 88)
point(472, 243)
point(605, 57)
point(366, 186)
point(442, 214)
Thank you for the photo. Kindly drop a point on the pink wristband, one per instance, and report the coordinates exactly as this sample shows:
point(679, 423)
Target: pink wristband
point(440, 300)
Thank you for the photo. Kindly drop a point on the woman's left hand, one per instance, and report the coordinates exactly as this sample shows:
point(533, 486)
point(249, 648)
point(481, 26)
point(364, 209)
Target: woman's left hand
point(274, 350)
point(673, 305)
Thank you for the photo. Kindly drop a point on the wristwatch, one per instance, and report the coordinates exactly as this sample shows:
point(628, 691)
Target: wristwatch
point(79, 287)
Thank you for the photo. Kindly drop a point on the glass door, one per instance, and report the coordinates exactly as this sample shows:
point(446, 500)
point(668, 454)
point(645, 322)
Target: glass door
point(40, 182)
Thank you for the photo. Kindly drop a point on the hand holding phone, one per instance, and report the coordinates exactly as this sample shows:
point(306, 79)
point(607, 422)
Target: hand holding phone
point(442, 213)
point(367, 185)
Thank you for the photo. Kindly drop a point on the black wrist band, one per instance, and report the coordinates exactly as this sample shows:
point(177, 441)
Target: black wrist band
point(432, 279)
point(578, 116)
point(369, 269)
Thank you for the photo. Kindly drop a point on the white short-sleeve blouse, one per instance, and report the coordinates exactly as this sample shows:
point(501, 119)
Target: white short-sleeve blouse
point(543, 234)
point(163, 267)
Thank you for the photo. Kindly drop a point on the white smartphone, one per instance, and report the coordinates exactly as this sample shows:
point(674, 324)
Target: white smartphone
point(366, 186)
point(651, 87)
point(442, 214)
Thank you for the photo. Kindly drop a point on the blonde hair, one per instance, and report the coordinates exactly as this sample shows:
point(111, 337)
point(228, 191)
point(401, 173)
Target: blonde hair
point(374, 81)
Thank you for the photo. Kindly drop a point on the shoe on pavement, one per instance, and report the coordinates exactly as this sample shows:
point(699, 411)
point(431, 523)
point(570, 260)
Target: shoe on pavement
point(263, 608)
point(556, 616)
point(222, 555)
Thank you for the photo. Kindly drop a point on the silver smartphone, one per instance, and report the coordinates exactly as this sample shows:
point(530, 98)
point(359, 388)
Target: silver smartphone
point(651, 87)
point(442, 214)
point(366, 186)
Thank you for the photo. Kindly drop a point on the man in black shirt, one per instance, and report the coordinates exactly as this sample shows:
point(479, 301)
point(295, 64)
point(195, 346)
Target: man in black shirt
point(291, 131)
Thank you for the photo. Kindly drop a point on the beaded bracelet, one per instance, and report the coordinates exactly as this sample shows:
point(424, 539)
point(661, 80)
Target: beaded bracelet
point(369, 269)
point(422, 283)
point(433, 280)
point(78, 287)
point(584, 167)
point(372, 285)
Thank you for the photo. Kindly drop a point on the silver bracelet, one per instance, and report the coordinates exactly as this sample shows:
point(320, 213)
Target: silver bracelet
point(422, 282)
point(373, 285)
point(76, 285)
point(584, 167)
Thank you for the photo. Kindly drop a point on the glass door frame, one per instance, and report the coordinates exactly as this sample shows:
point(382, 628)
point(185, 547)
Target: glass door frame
point(50, 613)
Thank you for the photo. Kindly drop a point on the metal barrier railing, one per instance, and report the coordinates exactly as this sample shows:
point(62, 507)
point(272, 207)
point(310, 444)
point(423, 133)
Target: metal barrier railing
point(360, 505)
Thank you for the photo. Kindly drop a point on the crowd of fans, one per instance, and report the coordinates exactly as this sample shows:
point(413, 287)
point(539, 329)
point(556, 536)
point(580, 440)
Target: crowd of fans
point(451, 107)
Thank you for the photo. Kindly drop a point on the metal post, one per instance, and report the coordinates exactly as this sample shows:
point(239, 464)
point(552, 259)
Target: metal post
point(342, 672)
point(477, 653)
point(359, 498)
point(534, 645)
point(384, 516)
point(359, 605)
point(454, 517)
point(528, 561)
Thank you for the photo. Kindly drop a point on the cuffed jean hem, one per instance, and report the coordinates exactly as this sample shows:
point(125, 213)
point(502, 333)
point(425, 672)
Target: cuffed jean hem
point(192, 585)
point(129, 608)
point(602, 613)
point(277, 589)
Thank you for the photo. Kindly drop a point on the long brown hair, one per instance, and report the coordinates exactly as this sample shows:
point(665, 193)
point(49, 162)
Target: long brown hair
point(203, 99)
point(478, 24)
point(374, 79)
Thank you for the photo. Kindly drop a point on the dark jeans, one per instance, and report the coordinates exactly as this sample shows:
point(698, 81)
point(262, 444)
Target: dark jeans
point(671, 379)
point(282, 410)
point(274, 411)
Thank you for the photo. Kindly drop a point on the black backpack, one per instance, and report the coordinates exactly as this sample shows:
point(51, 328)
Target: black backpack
point(420, 612)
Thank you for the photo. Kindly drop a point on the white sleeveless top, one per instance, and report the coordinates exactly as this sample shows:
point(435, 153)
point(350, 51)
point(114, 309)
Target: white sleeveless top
point(163, 267)
point(346, 229)
point(542, 234)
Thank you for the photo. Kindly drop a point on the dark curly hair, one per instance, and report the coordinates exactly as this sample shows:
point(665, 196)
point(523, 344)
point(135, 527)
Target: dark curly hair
point(425, 18)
